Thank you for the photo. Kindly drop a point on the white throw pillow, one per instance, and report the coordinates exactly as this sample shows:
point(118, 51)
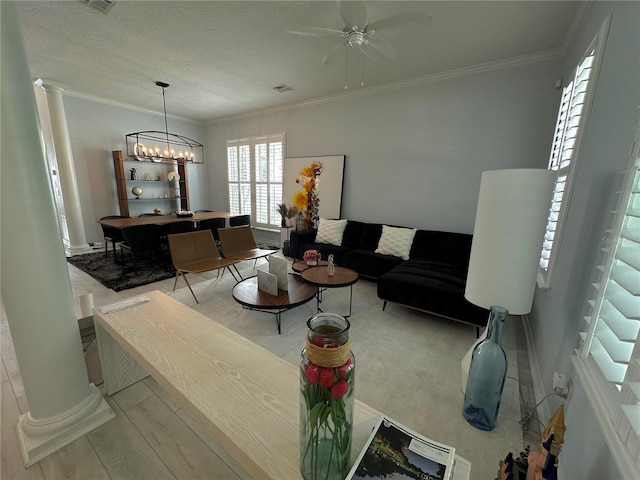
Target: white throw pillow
point(396, 241)
point(330, 231)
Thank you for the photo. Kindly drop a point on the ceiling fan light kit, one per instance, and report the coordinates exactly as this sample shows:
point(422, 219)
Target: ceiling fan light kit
point(371, 39)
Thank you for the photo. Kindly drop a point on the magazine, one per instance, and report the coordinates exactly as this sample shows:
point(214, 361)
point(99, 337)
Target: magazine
point(395, 452)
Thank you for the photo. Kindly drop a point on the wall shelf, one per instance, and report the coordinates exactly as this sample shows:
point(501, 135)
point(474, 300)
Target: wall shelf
point(124, 184)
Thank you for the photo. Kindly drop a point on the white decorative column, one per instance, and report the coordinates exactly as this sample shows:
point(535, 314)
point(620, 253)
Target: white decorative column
point(67, 172)
point(36, 289)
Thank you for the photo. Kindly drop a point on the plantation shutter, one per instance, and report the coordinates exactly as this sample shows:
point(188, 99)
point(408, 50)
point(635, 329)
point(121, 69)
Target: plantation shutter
point(255, 169)
point(574, 104)
point(239, 171)
point(612, 338)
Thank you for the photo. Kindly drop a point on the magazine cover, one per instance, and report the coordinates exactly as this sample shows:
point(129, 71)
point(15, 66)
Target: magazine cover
point(395, 452)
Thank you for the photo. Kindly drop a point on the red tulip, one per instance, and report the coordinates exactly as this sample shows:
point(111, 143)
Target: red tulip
point(344, 368)
point(326, 377)
point(313, 373)
point(339, 389)
point(319, 341)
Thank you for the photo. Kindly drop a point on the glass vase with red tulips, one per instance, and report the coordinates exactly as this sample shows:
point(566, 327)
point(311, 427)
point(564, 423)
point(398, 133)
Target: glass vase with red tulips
point(326, 399)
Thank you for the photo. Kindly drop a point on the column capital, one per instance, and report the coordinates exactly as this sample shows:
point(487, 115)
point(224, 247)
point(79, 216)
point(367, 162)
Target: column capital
point(52, 87)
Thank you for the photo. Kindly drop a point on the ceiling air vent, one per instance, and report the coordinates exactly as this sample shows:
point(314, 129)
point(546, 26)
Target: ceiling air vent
point(103, 5)
point(282, 88)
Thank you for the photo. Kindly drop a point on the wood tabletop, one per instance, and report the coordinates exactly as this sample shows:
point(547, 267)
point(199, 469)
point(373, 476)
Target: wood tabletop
point(319, 277)
point(161, 219)
point(245, 396)
point(246, 293)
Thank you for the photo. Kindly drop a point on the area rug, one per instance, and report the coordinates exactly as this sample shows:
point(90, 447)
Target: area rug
point(109, 272)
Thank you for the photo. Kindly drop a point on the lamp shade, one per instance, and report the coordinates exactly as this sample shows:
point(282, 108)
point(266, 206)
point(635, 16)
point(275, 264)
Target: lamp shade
point(513, 207)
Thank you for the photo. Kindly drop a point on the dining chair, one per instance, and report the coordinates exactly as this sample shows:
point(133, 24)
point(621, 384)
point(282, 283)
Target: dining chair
point(140, 240)
point(213, 224)
point(111, 234)
point(196, 252)
point(240, 220)
point(180, 227)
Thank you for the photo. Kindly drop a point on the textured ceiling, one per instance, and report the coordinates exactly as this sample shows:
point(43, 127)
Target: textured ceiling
point(223, 58)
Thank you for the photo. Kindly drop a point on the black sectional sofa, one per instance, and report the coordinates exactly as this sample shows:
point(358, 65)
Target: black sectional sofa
point(432, 279)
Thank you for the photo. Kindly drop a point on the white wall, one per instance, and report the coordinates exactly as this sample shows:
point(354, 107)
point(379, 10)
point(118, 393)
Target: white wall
point(557, 314)
point(96, 129)
point(414, 156)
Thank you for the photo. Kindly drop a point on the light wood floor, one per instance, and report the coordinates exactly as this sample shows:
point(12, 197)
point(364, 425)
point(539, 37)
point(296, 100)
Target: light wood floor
point(151, 438)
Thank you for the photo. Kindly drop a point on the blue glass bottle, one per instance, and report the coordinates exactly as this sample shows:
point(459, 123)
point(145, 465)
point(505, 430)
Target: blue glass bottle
point(487, 373)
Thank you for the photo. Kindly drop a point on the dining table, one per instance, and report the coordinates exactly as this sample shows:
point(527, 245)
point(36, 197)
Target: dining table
point(126, 222)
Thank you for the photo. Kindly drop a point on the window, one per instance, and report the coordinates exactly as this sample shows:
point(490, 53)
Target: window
point(255, 168)
point(574, 107)
point(609, 356)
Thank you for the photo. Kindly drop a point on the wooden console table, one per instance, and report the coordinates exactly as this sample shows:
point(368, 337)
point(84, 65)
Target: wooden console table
point(245, 396)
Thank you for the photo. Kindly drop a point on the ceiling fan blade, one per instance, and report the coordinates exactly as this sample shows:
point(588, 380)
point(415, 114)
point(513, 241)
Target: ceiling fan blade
point(333, 53)
point(353, 13)
point(400, 24)
point(316, 32)
point(378, 49)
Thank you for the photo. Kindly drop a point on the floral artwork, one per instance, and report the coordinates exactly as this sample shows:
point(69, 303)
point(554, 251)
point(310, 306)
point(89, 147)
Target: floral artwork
point(328, 404)
point(307, 200)
point(301, 187)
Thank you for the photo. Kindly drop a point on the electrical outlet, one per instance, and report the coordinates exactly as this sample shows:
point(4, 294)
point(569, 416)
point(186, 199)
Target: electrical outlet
point(560, 385)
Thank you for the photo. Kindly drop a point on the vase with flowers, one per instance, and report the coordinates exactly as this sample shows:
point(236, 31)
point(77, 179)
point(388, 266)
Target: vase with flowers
point(327, 380)
point(287, 212)
point(311, 257)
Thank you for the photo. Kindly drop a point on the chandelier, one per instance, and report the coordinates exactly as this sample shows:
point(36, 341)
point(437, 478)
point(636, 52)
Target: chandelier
point(158, 146)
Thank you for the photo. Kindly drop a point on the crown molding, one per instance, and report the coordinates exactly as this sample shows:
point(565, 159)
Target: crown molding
point(113, 103)
point(436, 77)
point(576, 24)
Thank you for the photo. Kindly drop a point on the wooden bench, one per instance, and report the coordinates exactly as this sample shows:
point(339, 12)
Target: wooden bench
point(238, 243)
point(196, 252)
point(245, 396)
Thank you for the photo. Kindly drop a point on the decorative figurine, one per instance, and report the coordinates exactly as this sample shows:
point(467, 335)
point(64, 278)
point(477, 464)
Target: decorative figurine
point(134, 175)
point(543, 464)
point(331, 268)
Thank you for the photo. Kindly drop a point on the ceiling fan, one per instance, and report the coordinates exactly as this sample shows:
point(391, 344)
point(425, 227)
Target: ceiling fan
point(370, 38)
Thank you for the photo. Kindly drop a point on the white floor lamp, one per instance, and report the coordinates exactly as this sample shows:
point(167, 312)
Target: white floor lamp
point(512, 212)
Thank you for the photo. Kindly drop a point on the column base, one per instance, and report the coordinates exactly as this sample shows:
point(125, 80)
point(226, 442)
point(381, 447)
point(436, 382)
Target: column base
point(71, 250)
point(39, 439)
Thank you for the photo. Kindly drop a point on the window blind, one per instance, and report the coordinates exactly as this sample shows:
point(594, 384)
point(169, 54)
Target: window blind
point(255, 172)
point(574, 103)
point(612, 337)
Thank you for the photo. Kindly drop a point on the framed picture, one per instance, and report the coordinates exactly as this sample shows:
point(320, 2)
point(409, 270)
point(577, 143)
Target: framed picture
point(314, 185)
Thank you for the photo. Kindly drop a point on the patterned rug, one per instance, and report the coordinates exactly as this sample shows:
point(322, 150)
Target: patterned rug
point(110, 274)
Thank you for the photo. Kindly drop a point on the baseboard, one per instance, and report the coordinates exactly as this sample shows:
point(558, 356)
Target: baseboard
point(536, 375)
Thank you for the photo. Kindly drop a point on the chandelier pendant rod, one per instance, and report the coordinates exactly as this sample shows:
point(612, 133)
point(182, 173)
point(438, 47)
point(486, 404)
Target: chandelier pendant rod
point(164, 108)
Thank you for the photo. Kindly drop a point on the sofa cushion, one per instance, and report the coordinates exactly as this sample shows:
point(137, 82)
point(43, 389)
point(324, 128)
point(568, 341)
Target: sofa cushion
point(330, 231)
point(352, 234)
point(396, 241)
point(367, 263)
point(370, 236)
point(453, 248)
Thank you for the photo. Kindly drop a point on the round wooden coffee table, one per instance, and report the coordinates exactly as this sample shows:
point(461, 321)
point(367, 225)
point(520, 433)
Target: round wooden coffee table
point(319, 277)
point(246, 293)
